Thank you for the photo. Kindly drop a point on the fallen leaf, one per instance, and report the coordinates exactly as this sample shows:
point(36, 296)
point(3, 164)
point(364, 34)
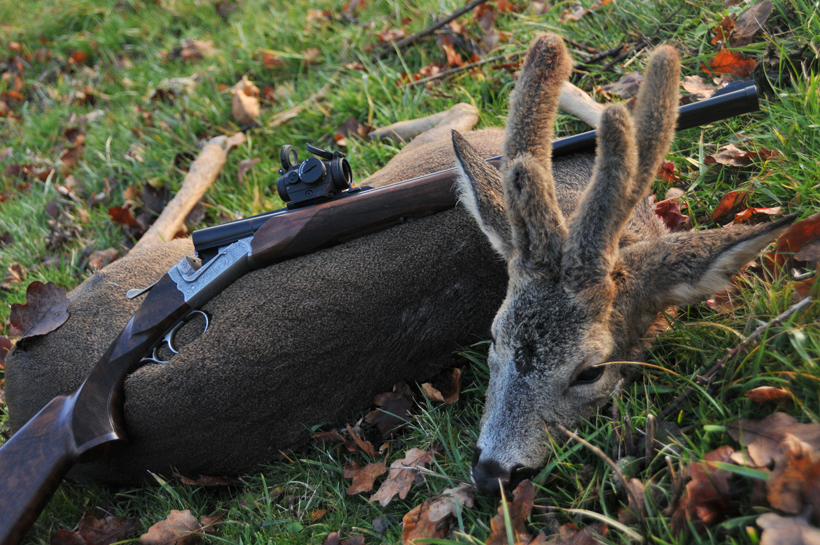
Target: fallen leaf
point(5, 346)
point(627, 515)
point(453, 57)
point(575, 13)
point(394, 408)
point(666, 172)
point(626, 87)
point(14, 275)
point(570, 535)
point(355, 66)
point(749, 22)
point(451, 502)
point(271, 60)
point(101, 258)
point(390, 36)
point(334, 539)
point(754, 215)
point(73, 153)
point(366, 446)
point(77, 57)
point(6, 239)
point(207, 480)
point(67, 537)
point(209, 524)
point(196, 49)
point(45, 309)
point(698, 88)
point(779, 530)
point(179, 528)
point(723, 30)
point(351, 127)
point(121, 215)
point(519, 510)
point(243, 167)
point(670, 212)
point(363, 477)
point(764, 394)
point(99, 528)
point(763, 437)
point(729, 204)
point(311, 55)
point(245, 102)
point(728, 62)
point(316, 514)
point(450, 393)
point(418, 525)
point(706, 499)
point(317, 15)
point(431, 69)
point(335, 436)
point(795, 481)
point(733, 156)
point(796, 237)
point(403, 473)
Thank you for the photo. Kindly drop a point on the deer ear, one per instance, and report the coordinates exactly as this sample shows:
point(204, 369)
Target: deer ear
point(685, 268)
point(479, 190)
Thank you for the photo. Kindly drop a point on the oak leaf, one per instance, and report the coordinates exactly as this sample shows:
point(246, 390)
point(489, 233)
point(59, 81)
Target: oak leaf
point(98, 528)
point(763, 437)
point(706, 499)
point(361, 442)
point(670, 212)
point(418, 525)
point(335, 436)
point(698, 88)
point(243, 167)
point(45, 309)
point(723, 30)
point(334, 539)
point(179, 528)
point(626, 87)
point(390, 36)
point(779, 530)
point(754, 215)
point(394, 408)
point(575, 13)
point(802, 233)
point(101, 258)
point(795, 481)
point(196, 49)
point(730, 203)
point(519, 510)
point(14, 275)
point(728, 62)
point(363, 477)
point(450, 502)
point(272, 60)
point(403, 473)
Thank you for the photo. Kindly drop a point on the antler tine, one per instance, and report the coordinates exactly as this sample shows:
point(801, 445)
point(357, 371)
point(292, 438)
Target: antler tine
point(537, 224)
point(656, 114)
point(534, 101)
point(595, 228)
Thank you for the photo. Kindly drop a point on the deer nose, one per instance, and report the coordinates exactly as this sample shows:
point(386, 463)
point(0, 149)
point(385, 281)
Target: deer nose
point(489, 476)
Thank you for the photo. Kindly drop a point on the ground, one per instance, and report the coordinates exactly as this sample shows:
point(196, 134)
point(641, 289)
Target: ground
point(101, 67)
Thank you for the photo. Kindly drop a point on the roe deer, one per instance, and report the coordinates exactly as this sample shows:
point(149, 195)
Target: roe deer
point(311, 340)
point(590, 266)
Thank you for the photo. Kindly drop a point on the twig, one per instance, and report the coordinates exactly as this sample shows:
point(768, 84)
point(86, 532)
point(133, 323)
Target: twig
point(604, 54)
point(677, 487)
point(649, 440)
point(705, 378)
point(624, 54)
point(617, 472)
point(458, 69)
point(429, 30)
point(586, 48)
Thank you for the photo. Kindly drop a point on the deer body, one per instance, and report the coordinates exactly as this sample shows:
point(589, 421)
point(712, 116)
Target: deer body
point(311, 340)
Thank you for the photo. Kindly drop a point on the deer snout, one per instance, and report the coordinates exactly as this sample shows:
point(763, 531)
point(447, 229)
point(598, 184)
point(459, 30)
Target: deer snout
point(489, 475)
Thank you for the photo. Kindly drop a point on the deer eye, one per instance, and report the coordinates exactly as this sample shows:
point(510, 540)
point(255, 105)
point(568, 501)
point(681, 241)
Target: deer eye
point(589, 375)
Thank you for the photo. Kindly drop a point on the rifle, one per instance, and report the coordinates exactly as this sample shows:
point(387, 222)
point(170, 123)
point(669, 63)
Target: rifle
point(87, 424)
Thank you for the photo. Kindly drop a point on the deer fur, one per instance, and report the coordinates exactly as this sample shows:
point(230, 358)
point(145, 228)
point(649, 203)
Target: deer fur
point(590, 266)
point(312, 340)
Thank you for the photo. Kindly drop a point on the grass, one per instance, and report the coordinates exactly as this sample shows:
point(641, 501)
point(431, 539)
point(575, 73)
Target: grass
point(129, 43)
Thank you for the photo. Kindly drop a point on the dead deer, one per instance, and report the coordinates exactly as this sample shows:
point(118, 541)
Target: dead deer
point(590, 266)
point(311, 340)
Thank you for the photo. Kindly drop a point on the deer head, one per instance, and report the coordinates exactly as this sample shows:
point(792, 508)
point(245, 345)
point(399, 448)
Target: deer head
point(581, 293)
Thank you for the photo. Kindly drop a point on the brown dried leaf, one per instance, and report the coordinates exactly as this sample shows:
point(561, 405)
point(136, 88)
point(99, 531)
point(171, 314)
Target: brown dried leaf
point(763, 437)
point(666, 172)
point(755, 215)
point(245, 102)
point(450, 502)
point(272, 60)
point(417, 525)
point(706, 500)
point(519, 510)
point(335, 436)
point(67, 537)
point(311, 55)
point(351, 127)
point(209, 524)
point(733, 156)
point(795, 481)
point(73, 153)
point(317, 15)
point(98, 528)
point(570, 535)
point(449, 394)
point(244, 166)
point(363, 477)
point(14, 275)
point(779, 530)
point(749, 22)
point(316, 514)
point(207, 480)
point(355, 66)
point(390, 36)
point(196, 49)
point(723, 30)
point(101, 258)
point(730, 203)
point(394, 408)
point(764, 394)
point(431, 69)
point(626, 87)
point(45, 309)
point(727, 62)
point(670, 212)
point(122, 215)
point(575, 13)
point(366, 446)
point(627, 515)
point(403, 474)
point(334, 539)
point(796, 237)
point(180, 528)
point(698, 88)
